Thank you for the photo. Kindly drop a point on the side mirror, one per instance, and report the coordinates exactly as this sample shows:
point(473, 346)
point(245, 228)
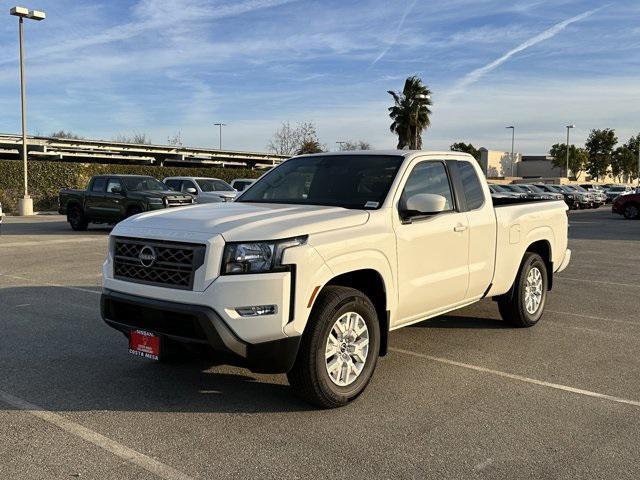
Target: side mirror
point(116, 190)
point(192, 191)
point(424, 204)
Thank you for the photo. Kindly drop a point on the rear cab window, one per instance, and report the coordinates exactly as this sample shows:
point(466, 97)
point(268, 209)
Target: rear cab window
point(473, 192)
point(98, 184)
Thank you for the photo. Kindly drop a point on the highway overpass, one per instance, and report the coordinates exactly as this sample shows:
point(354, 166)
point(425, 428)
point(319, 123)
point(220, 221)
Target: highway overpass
point(110, 152)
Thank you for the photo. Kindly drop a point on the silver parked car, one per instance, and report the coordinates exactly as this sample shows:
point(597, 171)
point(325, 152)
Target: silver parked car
point(241, 184)
point(205, 190)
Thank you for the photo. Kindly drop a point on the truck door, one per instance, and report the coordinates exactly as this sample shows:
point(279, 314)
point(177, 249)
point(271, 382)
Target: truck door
point(433, 250)
point(114, 199)
point(94, 197)
point(482, 228)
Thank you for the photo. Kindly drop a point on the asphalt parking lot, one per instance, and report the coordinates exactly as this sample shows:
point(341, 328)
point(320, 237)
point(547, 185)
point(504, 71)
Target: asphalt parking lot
point(460, 396)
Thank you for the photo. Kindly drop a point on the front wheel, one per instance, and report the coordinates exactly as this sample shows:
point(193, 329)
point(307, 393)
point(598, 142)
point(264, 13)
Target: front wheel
point(339, 348)
point(522, 306)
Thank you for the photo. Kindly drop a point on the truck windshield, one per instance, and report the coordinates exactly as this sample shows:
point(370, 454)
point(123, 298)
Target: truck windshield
point(213, 185)
point(349, 181)
point(139, 184)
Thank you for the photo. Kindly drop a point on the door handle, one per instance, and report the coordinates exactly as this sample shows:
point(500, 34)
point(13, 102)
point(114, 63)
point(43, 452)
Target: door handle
point(459, 228)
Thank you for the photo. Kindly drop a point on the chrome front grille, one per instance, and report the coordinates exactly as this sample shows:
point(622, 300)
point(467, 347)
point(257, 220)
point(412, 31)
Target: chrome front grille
point(178, 201)
point(154, 262)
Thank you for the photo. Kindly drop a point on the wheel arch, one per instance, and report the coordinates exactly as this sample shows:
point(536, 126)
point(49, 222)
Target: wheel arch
point(371, 283)
point(74, 203)
point(543, 248)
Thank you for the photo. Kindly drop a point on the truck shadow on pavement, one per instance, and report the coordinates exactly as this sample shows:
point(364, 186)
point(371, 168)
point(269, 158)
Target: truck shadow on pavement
point(56, 352)
point(37, 226)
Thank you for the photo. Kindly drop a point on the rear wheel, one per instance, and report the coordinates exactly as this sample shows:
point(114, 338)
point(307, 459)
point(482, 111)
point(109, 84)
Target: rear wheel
point(522, 306)
point(631, 211)
point(339, 349)
point(77, 219)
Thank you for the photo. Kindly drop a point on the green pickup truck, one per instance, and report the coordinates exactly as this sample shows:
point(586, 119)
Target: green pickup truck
point(111, 198)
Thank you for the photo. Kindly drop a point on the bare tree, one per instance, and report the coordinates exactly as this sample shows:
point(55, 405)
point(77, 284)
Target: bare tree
point(175, 140)
point(288, 140)
point(64, 134)
point(137, 138)
point(350, 145)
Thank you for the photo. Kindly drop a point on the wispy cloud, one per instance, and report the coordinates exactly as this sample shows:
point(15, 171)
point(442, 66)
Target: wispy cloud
point(396, 34)
point(163, 17)
point(551, 32)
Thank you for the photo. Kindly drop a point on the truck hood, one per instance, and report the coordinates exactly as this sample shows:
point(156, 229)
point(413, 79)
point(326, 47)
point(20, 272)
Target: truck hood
point(243, 221)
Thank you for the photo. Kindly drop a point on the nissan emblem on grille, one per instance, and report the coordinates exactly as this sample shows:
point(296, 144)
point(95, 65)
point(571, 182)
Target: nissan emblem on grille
point(147, 256)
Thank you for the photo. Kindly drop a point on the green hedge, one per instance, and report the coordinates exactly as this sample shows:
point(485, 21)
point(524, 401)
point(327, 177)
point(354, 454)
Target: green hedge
point(47, 178)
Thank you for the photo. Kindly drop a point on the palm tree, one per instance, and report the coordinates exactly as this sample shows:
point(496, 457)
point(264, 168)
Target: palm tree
point(411, 113)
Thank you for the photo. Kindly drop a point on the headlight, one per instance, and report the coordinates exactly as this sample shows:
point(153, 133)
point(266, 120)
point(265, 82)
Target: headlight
point(154, 201)
point(257, 257)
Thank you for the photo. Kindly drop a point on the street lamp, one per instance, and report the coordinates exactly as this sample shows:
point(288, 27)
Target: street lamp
point(25, 205)
point(220, 125)
point(419, 97)
point(569, 127)
point(513, 137)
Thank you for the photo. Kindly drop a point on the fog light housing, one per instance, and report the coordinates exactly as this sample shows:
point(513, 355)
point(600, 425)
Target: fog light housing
point(257, 310)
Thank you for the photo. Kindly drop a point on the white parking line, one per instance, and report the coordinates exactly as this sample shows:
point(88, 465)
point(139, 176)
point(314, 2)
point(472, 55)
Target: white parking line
point(519, 378)
point(586, 280)
point(626, 322)
point(52, 242)
point(78, 289)
point(132, 456)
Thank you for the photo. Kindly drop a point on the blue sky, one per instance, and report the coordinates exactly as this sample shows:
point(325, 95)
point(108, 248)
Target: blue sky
point(103, 68)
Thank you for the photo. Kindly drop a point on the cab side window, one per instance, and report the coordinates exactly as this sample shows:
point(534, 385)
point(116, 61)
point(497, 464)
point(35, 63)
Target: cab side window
point(429, 177)
point(187, 184)
point(114, 182)
point(173, 184)
point(471, 185)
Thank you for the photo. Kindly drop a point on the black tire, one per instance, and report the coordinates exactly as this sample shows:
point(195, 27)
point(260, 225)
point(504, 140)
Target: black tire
point(631, 211)
point(309, 378)
point(77, 219)
point(133, 211)
point(512, 305)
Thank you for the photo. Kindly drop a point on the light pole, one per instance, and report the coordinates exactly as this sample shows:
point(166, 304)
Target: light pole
point(569, 127)
point(513, 137)
point(220, 125)
point(419, 97)
point(25, 204)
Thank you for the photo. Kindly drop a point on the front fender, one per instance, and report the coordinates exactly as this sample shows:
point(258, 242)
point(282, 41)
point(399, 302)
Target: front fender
point(316, 276)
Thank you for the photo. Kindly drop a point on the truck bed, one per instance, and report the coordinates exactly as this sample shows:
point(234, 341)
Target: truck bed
point(520, 223)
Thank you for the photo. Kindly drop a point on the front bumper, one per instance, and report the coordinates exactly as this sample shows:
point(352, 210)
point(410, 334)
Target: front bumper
point(196, 324)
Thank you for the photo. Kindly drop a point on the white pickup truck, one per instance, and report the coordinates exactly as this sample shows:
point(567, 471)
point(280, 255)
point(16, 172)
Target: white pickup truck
point(312, 266)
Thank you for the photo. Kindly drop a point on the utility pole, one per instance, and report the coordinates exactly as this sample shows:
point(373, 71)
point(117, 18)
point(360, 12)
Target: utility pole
point(220, 125)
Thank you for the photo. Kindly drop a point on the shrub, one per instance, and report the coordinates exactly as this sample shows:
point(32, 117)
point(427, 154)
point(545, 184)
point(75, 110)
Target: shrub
point(46, 179)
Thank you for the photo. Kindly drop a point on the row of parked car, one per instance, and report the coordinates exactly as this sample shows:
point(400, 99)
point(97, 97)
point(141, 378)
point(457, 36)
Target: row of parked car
point(576, 196)
point(109, 199)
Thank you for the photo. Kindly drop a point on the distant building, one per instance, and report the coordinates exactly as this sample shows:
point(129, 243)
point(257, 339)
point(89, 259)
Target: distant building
point(539, 166)
point(497, 164)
